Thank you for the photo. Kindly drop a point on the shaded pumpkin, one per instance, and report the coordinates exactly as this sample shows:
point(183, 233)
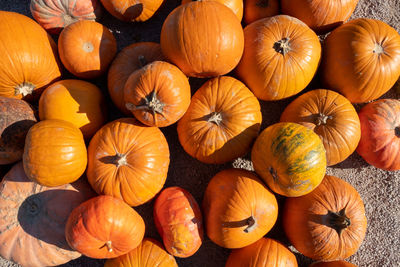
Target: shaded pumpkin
point(132, 10)
point(235, 5)
point(222, 121)
point(290, 158)
point(283, 59)
point(327, 224)
point(333, 264)
point(259, 9)
point(238, 208)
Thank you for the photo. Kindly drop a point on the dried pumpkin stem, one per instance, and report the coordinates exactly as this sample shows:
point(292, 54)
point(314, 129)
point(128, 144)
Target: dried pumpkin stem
point(108, 245)
point(249, 222)
point(120, 159)
point(378, 49)
point(338, 220)
point(321, 119)
point(283, 46)
point(24, 89)
point(142, 60)
point(153, 104)
point(215, 117)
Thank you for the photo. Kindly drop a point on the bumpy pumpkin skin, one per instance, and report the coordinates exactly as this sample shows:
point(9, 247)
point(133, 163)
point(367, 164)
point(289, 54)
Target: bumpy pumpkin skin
point(235, 5)
point(26, 65)
point(128, 160)
point(327, 224)
point(54, 15)
point(178, 219)
point(265, 252)
point(130, 59)
point(333, 264)
point(149, 253)
point(54, 153)
point(258, 9)
point(238, 208)
point(281, 56)
point(33, 217)
point(332, 117)
point(290, 158)
point(188, 41)
point(132, 10)
point(16, 117)
point(361, 59)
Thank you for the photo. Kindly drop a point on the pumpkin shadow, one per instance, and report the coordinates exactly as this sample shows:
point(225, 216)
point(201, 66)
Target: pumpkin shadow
point(354, 161)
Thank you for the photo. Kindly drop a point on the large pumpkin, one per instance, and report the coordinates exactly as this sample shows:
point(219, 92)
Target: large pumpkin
point(132, 10)
point(327, 224)
point(290, 158)
point(128, 160)
point(104, 227)
point(222, 121)
point(332, 117)
point(259, 9)
point(235, 5)
point(130, 59)
point(203, 38)
point(361, 59)
point(281, 56)
point(238, 208)
point(54, 153)
point(24, 67)
point(157, 94)
point(33, 217)
point(333, 264)
point(16, 117)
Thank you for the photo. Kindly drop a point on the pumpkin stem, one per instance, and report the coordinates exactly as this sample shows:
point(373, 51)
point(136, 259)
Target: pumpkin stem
point(378, 49)
point(283, 46)
point(322, 119)
point(24, 89)
point(142, 60)
point(338, 220)
point(119, 159)
point(262, 3)
point(397, 131)
point(249, 222)
point(215, 117)
point(108, 245)
point(153, 104)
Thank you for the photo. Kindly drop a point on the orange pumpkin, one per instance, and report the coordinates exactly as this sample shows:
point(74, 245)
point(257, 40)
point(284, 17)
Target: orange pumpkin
point(282, 61)
point(361, 59)
point(28, 56)
point(131, 58)
point(235, 5)
point(222, 121)
point(157, 94)
point(332, 117)
point(203, 38)
point(128, 160)
point(104, 227)
point(178, 219)
point(87, 48)
point(132, 10)
point(55, 153)
point(259, 9)
point(238, 208)
point(327, 224)
point(333, 264)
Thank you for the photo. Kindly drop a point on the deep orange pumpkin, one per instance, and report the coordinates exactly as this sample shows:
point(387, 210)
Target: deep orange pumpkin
point(333, 264)
point(259, 9)
point(235, 5)
point(132, 10)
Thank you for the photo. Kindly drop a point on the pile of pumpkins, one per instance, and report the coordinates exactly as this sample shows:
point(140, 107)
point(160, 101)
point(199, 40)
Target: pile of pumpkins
point(48, 216)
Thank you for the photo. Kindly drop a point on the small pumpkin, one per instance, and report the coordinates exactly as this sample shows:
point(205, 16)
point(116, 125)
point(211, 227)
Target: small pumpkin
point(333, 264)
point(361, 59)
point(149, 253)
point(222, 121)
point(54, 15)
point(266, 252)
point(327, 224)
point(16, 117)
point(54, 153)
point(87, 48)
point(290, 158)
point(283, 59)
point(235, 5)
point(203, 38)
point(157, 94)
point(259, 9)
point(130, 59)
point(238, 208)
point(332, 117)
point(104, 227)
point(179, 222)
point(132, 10)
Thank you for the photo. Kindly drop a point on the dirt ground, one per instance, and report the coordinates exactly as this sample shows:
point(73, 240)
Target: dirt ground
point(379, 189)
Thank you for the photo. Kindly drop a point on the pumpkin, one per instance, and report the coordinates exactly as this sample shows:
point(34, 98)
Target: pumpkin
point(54, 153)
point(290, 158)
point(178, 219)
point(327, 224)
point(265, 252)
point(258, 9)
point(222, 121)
point(332, 117)
point(24, 67)
point(203, 38)
point(87, 48)
point(149, 253)
point(320, 15)
point(235, 5)
point(131, 58)
point(128, 160)
point(16, 117)
point(283, 59)
point(33, 217)
point(380, 134)
point(361, 59)
point(157, 94)
point(333, 264)
point(54, 15)
point(238, 208)
point(132, 10)
point(76, 101)
point(104, 227)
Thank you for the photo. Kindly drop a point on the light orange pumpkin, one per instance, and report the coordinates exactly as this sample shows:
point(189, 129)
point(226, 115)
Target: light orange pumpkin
point(259, 9)
point(235, 5)
point(132, 10)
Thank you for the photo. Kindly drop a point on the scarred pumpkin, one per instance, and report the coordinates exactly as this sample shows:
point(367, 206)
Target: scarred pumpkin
point(259, 9)
point(235, 5)
point(132, 10)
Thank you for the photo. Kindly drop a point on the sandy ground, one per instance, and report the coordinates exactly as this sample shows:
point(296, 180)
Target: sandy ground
point(379, 189)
